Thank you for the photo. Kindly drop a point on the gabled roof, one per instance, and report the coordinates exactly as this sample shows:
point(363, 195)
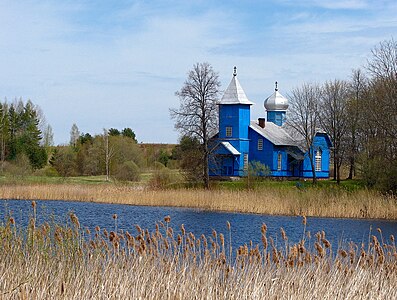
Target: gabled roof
point(273, 133)
point(234, 93)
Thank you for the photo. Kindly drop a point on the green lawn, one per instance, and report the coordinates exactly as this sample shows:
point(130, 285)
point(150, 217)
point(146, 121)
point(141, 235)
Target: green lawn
point(347, 185)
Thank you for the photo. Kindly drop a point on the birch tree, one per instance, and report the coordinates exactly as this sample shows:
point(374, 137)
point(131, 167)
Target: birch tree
point(109, 152)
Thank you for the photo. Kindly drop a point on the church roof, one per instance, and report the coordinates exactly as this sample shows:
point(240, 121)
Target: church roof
point(276, 101)
point(234, 93)
point(230, 148)
point(275, 134)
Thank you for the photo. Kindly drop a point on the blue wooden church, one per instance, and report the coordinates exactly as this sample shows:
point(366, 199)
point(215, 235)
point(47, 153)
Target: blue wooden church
point(241, 141)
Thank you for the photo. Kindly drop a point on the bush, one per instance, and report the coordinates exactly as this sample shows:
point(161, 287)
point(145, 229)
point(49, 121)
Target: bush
point(128, 171)
point(20, 167)
point(256, 172)
point(48, 171)
point(162, 177)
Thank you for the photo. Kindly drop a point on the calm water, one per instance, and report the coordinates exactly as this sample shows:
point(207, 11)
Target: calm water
point(245, 227)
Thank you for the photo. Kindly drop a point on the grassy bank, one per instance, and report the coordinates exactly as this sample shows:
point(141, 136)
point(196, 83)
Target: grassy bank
point(270, 198)
point(66, 262)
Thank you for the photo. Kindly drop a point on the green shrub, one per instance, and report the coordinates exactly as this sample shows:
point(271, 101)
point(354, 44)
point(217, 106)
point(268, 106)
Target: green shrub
point(128, 171)
point(48, 171)
point(162, 177)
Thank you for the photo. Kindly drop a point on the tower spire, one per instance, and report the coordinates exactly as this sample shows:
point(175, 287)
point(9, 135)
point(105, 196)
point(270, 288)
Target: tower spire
point(276, 89)
point(235, 71)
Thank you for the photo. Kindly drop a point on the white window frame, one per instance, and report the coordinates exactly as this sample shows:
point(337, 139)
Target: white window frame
point(279, 161)
point(245, 162)
point(229, 131)
point(318, 160)
point(260, 144)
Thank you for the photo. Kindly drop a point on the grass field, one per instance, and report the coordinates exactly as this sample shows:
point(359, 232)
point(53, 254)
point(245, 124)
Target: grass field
point(57, 261)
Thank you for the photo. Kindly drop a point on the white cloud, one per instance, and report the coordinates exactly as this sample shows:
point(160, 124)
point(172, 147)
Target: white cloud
point(119, 67)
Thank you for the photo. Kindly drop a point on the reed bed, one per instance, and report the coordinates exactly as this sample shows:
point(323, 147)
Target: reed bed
point(56, 261)
point(268, 200)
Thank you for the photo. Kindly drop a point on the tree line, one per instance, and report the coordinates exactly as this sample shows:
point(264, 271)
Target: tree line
point(113, 153)
point(24, 135)
point(359, 114)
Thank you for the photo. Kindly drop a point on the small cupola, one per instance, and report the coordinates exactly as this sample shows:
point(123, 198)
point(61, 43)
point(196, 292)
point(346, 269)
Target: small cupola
point(276, 102)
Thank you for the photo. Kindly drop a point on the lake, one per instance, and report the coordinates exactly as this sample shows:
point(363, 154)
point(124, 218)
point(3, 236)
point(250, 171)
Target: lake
point(244, 227)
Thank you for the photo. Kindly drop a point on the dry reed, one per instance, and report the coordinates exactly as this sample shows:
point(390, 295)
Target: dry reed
point(67, 262)
point(273, 201)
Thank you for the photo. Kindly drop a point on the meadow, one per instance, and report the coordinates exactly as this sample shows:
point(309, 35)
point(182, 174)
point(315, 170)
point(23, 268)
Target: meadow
point(350, 200)
point(65, 261)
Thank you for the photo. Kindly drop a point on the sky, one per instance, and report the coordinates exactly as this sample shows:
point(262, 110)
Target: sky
point(116, 64)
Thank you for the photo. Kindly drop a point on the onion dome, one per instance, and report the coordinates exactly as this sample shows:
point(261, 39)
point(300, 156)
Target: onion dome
point(276, 101)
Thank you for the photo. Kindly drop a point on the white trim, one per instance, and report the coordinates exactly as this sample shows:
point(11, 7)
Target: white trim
point(279, 161)
point(260, 144)
point(318, 160)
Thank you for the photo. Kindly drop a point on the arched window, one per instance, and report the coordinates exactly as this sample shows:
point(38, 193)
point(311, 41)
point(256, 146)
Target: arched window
point(279, 161)
point(318, 159)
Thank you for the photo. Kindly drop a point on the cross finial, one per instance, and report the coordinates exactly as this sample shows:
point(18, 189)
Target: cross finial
point(235, 71)
point(276, 89)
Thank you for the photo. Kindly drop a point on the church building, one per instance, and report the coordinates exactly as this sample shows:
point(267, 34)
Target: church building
point(240, 140)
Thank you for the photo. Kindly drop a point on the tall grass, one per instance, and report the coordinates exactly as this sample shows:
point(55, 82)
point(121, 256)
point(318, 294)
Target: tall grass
point(69, 262)
point(326, 202)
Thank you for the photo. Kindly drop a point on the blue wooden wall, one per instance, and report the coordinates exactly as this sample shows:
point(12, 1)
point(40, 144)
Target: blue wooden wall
point(321, 141)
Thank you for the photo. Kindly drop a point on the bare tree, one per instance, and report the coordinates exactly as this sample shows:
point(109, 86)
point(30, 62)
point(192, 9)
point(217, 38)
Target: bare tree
point(109, 152)
point(379, 119)
point(304, 117)
point(4, 128)
point(334, 119)
point(358, 86)
point(197, 116)
point(383, 63)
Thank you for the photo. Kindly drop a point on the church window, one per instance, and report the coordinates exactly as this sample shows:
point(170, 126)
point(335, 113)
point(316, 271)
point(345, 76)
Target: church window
point(260, 144)
point(245, 161)
point(279, 161)
point(229, 131)
point(318, 159)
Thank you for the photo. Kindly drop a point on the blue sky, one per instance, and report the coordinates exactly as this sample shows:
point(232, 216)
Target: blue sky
point(103, 64)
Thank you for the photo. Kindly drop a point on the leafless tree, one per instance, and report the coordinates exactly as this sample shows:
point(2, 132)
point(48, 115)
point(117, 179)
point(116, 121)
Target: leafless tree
point(379, 118)
point(304, 117)
point(383, 63)
point(358, 85)
point(109, 152)
point(3, 132)
point(334, 119)
point(197, 115)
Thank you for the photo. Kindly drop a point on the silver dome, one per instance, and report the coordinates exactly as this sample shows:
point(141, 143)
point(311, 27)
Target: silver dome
point(276, 101)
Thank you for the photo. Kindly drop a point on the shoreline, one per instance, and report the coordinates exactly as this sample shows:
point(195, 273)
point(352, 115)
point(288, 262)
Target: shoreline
point(362, 204)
